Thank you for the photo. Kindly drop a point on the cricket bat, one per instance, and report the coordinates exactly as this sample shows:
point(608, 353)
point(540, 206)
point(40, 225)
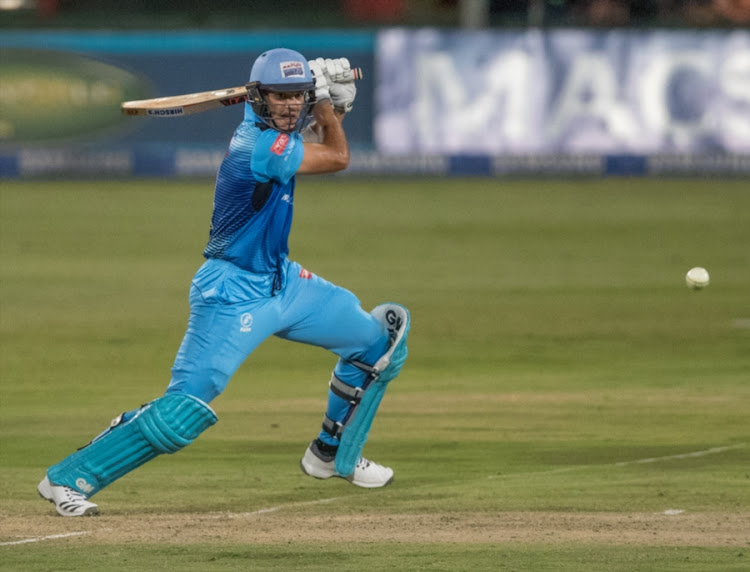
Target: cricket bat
point(180, 105)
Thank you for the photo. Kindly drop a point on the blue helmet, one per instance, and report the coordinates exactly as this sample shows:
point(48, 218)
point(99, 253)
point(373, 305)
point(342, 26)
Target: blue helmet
point(280, 70)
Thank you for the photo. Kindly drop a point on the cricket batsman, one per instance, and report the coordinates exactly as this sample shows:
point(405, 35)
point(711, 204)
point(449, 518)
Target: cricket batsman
point(248, 289)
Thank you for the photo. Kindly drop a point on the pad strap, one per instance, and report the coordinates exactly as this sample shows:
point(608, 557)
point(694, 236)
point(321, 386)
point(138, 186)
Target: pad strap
point(333, 428)
point(346, 392)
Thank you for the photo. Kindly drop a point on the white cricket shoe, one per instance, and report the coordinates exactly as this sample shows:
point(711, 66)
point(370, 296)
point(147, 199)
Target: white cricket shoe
point(68, 502)
point(367, 474)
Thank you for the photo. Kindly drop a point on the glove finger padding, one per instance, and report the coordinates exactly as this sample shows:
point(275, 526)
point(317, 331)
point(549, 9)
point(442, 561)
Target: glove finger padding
point(339, 70)
point(332, 70)
point(347, 74)
point(327, 66)
point(321, 81)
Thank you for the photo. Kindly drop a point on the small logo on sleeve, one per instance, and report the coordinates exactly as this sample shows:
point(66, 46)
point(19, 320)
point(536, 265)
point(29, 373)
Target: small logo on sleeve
point(280, 144)
point(305, 274)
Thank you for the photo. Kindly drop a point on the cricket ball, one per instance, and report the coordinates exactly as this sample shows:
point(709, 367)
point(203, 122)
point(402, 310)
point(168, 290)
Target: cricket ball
point(697, 278)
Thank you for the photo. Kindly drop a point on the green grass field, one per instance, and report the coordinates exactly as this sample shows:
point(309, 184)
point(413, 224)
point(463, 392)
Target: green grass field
point(568, 404)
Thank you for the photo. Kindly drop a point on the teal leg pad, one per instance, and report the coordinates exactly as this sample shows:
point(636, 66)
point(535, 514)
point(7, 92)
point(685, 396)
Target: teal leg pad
point(165, 425)
point(354, 436)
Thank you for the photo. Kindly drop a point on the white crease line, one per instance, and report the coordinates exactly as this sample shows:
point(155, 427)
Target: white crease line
point(274, 508)
point(711, 451)
point(681, 456)
point(39, 538)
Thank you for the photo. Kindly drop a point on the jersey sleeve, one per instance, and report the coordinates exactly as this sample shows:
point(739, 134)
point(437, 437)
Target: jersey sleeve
point(277, 156)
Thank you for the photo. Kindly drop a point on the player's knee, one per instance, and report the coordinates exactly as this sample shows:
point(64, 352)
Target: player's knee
point(206, 385)
point(376, 348)
point(397, 320)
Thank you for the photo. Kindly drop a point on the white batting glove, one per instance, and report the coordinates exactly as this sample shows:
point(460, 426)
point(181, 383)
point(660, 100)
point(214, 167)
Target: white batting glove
point(340, 78)
point(342, 96)
point(321, 81)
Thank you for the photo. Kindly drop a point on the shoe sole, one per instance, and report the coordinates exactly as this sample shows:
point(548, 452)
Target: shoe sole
point(349, 479)
point(368, 486)
point(309, 474)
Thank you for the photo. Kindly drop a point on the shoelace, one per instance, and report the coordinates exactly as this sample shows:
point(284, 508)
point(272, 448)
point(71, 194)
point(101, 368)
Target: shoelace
point(74, 496)
point(363, 463)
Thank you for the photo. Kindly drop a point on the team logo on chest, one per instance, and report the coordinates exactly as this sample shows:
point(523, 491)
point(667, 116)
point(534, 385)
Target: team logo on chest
point(246, 322)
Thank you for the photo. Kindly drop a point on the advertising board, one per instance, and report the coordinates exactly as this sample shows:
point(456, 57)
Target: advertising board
point(562, 92)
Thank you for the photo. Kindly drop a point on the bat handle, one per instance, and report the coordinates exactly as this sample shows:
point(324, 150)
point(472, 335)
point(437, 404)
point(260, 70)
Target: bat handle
point(355, 73)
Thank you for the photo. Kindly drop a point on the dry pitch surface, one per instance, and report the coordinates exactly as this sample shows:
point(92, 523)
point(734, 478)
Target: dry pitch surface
point(284, 524)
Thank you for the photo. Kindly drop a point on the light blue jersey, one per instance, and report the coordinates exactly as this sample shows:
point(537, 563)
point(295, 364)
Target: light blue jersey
point(248, 289)
point(254, 198)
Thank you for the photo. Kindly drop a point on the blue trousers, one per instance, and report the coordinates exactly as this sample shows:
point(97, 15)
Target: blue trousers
point(232, 312)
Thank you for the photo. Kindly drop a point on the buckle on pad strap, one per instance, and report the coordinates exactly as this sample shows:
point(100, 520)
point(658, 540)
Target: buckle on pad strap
point(351, 394)
point(333, 428)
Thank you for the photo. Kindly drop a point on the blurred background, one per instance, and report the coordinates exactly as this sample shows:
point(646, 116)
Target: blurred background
point(353, 13)
point(465, 87)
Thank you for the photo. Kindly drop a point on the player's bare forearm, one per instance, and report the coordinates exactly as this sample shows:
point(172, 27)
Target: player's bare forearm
point(331, 153)
point(313, 134)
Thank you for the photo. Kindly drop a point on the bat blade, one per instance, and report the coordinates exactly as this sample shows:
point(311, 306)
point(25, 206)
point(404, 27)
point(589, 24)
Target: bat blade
point(180, 105)
point(190, 103)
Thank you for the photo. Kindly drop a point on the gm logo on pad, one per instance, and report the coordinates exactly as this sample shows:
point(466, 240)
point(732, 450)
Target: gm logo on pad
point(84, 486)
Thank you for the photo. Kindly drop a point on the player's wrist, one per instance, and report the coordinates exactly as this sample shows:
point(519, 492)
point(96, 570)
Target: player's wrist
point(323, 107)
